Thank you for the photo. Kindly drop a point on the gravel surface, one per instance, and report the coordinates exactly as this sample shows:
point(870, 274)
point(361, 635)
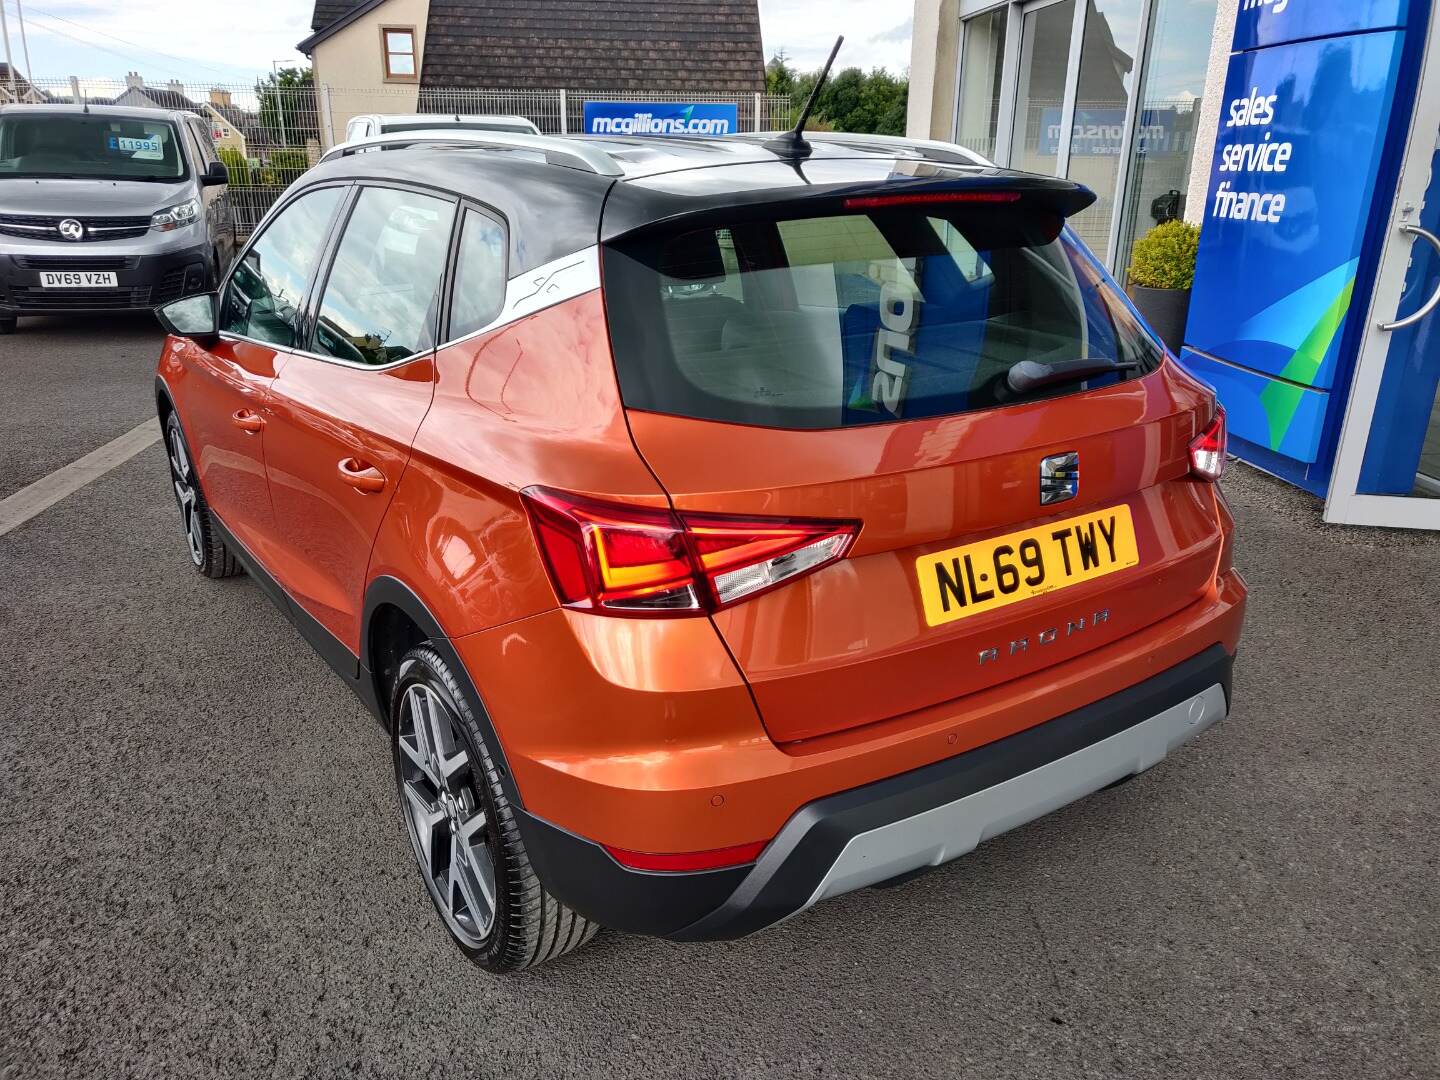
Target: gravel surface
point(203, 871)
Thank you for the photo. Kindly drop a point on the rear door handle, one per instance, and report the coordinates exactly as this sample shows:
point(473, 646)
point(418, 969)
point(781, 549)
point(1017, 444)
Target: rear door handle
point(362, 477)
point(247, 421)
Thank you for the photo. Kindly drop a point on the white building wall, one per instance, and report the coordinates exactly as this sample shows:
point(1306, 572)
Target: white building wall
point(1210, 106)
point(934, 60)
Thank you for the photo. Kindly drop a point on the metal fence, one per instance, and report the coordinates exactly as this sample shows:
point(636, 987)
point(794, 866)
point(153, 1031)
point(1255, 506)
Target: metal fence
point(268, 134)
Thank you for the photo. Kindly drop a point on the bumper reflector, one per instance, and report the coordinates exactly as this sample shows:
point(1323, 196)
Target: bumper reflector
point(688, 860)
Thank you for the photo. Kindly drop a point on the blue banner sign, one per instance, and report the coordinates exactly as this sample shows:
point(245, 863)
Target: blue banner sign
point(1261, 23)
point(660, 118)
point(1291, 201)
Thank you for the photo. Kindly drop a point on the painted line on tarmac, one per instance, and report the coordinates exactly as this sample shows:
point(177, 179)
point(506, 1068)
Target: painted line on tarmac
point(44, 493)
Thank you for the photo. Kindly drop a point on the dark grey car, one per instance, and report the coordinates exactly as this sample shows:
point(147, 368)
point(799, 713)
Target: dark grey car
point(107, 209)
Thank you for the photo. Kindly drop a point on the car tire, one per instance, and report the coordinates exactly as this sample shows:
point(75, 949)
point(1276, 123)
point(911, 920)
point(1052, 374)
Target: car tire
point(8, 326)
point(208, 553)
point(462, 830)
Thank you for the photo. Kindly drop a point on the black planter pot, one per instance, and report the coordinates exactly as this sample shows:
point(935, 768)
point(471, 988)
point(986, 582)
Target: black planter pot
point(1165, 310)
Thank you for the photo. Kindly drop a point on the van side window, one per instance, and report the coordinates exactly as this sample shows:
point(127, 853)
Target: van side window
point(266, 293)
point(479, 275)
point(381, 302)
point(205, 142)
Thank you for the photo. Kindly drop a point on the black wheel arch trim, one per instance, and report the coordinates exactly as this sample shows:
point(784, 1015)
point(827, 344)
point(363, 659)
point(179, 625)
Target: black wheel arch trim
point(386, 590)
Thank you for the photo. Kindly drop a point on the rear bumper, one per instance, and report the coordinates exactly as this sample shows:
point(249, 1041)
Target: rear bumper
point(142, 280)
point(894, 826)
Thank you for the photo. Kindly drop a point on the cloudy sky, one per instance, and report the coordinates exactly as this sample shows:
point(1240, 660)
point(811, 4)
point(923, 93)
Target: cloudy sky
point(208, 41)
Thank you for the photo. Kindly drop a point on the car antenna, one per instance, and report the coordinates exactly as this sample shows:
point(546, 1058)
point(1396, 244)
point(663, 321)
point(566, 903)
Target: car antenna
point(792, 144)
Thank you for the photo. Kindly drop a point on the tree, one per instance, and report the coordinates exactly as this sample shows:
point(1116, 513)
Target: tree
point(779, 75)
point(287, 106)
point(851, 101)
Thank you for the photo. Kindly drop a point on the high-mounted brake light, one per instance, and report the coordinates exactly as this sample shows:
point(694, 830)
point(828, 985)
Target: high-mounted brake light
point(916, 198)
point(688, 860)
point(1207, 451)
point(629, 560)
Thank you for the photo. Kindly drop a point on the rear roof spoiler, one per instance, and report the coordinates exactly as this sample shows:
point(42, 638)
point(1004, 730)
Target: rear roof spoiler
point(638, 206)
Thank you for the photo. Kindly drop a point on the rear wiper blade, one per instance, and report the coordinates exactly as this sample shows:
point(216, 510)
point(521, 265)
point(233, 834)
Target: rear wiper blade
point(1030, 375)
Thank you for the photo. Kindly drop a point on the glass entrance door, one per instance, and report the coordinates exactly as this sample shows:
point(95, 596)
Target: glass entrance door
point(1038, 143)
point(1388, 468)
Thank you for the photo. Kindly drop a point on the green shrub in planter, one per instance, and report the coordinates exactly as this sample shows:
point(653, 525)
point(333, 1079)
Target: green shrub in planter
point(1162, 269)
point(1164, 257)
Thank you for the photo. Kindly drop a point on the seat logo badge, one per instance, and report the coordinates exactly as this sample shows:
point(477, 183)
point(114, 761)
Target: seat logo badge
point(1059, 478)
point(71, 229)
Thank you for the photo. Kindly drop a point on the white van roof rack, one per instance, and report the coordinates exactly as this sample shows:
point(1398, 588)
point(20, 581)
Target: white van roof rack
point(568, 153)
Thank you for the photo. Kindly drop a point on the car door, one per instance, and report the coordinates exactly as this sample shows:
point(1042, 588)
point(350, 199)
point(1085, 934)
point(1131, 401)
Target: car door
point(223, 391)
point(346, 410)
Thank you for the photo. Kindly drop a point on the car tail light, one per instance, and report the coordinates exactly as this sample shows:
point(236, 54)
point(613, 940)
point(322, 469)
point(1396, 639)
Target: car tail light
point(629, 560)
point(688, 860)
point(1207, 451)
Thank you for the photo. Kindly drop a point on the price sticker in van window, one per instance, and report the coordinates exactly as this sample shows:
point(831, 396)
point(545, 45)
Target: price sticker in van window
point(1007, 569)
point(125, 144)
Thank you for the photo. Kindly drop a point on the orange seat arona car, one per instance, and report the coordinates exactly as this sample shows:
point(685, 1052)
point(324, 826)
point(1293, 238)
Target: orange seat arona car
point(715, 526)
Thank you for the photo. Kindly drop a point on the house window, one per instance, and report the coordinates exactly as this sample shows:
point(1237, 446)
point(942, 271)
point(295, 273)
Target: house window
point(398, 45)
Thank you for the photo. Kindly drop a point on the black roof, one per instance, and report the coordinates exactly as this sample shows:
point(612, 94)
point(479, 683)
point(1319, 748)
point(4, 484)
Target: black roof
point(599, 45)
point(554, 210)
point(327, 11)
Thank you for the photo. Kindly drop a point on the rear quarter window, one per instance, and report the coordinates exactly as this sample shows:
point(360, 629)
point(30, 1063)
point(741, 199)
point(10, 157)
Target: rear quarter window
point(861, 318)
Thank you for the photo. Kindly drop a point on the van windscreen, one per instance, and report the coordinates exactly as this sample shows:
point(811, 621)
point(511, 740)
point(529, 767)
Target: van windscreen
point(898, 313)
point(88, 146)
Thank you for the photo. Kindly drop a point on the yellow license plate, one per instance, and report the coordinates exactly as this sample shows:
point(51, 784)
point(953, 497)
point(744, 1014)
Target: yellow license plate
point(1007, 569)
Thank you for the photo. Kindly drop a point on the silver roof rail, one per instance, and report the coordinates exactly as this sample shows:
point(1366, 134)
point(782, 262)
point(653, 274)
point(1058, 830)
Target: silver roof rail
point(568, 153)
point(927, 149)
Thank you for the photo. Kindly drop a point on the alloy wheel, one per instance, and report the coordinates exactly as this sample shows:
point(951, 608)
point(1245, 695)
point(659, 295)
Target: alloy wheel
point(182, 474)
point(448, 824)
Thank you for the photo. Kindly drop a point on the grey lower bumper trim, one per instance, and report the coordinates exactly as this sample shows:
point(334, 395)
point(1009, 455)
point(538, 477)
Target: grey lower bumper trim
point(956, 828)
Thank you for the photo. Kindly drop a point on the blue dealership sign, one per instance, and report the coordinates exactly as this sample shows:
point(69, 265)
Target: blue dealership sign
point(660, 118)
point(1262, 23)
point(1291, 202)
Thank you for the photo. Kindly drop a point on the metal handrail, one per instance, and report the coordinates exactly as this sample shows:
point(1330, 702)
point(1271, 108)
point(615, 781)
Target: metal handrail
point(1434, 301)
point(567, 153)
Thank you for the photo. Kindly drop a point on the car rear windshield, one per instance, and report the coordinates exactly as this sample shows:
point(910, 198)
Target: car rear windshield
point(896, 313)
point(88, 146)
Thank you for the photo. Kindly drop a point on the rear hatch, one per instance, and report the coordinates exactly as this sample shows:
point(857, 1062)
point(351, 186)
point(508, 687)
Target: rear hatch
point(885, 358)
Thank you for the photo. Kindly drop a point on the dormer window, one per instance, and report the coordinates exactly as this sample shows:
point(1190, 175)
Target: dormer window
point(398, 47)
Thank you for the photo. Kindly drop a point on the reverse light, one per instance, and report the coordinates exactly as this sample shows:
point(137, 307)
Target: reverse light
point(615, 559)
point(177, 216)
point(689, 860)
point(915, 198)
point(1207, 450)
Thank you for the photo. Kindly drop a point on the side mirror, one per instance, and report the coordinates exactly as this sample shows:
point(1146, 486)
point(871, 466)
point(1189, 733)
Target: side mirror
point(193, 317)
point(215, 175)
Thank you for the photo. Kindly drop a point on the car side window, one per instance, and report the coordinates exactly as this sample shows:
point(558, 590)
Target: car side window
point(479, 275)
point(266, 293)
point(381, 302)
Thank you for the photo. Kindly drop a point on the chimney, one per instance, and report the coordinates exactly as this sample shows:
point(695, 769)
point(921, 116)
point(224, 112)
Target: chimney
point(175, 86)
point(220, 97)
point(133, 80)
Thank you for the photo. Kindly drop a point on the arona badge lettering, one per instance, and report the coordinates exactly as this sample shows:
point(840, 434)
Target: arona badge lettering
point(889, 376)
point(1048, 636)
